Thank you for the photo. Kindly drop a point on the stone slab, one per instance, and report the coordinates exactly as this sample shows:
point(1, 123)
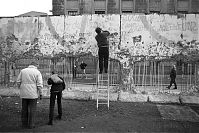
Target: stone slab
point(161, 98)
point(78, 95)
point(129, 97)
point(178, 113)
point(189, 99)
point(9, 92)
point(112, 96)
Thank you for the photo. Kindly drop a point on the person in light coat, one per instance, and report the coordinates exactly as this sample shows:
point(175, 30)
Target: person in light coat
point(30, 83)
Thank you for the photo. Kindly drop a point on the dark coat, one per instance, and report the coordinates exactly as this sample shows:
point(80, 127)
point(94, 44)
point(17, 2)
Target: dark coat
point(83, 65)
point(173, 73)
point(56, 87)
point(101, 38)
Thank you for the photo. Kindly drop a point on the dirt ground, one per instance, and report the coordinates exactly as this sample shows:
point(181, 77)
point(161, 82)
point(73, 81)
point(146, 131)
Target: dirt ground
point(82, 116)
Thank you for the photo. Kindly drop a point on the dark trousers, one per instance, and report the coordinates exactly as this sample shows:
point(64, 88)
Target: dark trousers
point(53, 96)
point(103, 54)
point(28, 112)
point(172, 82)
point(74, 72)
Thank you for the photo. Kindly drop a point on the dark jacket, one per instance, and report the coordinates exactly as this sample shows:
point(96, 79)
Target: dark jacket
point(101, 38)
point(58, 85)
point(83, 65)
point(173, 73)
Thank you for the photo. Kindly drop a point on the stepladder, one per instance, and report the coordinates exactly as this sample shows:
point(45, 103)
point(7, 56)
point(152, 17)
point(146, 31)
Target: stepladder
point(103, 88)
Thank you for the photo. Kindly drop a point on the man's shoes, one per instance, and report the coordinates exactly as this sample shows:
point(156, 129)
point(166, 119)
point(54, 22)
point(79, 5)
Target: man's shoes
point(168, 87)
point(100, 72)
point(106, 71)
point(50, 123)
point(24, 126)
point(58, 117)
point(31, 127)
point(174, 88)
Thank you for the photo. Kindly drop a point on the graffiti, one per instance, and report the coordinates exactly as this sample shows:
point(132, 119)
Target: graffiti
point(191, 26)
point(137, 38)
point(129, 18)
point(146, 35)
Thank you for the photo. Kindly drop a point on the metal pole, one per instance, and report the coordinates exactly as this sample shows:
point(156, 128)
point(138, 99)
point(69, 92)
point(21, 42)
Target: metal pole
point(65, 7)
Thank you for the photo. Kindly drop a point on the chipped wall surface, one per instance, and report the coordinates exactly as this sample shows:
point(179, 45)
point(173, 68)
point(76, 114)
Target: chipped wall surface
point(131, 35)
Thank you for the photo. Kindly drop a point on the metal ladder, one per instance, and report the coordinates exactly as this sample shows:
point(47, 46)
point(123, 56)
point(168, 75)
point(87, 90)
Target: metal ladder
point(103, 89)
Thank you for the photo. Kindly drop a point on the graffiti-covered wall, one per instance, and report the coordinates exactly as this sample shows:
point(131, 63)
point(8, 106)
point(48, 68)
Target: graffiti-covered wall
point(158, 35)
point(131, 35)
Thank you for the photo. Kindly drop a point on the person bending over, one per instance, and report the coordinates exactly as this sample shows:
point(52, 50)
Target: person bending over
point(57, 87)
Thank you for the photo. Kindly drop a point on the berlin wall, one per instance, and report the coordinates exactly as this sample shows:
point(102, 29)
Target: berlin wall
point(137, 35)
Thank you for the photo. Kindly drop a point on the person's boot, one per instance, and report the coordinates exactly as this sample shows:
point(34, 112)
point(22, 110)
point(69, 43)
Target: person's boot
point(50, 122)
point(106, 71)
point(58, 117)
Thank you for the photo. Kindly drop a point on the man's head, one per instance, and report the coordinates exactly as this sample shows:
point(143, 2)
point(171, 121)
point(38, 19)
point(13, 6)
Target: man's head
point(174, 66)
point(54, 72)
point(34, 63)
point(98, 30)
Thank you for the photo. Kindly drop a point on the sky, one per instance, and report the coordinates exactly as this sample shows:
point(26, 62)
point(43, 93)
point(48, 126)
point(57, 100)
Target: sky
point(9, 8)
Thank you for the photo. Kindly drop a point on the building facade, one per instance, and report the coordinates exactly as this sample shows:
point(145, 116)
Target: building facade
point(78, 7)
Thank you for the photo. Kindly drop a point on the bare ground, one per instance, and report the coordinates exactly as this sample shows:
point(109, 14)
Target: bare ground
point(82, 116)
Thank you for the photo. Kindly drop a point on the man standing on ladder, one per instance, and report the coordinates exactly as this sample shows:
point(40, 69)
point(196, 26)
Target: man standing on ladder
point(103, 51)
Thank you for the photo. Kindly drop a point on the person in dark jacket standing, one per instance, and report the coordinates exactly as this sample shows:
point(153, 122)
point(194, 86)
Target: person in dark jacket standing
point(173, 77)
point(57, 87)
point(103, 46)
point(83, 67)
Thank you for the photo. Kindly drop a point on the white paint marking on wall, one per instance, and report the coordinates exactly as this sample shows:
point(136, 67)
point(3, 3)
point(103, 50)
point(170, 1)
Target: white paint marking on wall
point(83, 23)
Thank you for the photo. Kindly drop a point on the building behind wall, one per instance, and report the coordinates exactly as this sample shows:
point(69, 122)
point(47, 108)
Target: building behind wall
point(76, 7)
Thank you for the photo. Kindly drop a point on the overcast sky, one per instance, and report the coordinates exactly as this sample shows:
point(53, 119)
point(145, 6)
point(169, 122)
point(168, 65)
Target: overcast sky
point(16, 7)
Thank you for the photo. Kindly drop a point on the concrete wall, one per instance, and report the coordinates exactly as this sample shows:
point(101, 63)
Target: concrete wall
point(141, 35)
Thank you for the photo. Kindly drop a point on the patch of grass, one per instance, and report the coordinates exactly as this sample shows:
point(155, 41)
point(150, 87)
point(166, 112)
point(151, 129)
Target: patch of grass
point(10, 112)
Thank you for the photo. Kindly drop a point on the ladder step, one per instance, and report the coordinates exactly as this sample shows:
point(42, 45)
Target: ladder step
point(103, 88)
point(102, 95)
point(105, 80)
point(103, 74)
point(102, 103)
point(102, 98)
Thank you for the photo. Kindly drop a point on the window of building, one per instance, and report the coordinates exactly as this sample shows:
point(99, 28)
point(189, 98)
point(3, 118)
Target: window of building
point(183, 6)
point(183, 12)
point(157, 12)
point(127, 12)
point(100, 4)
point(194, 6)
point(154, 6)
point(141, 6)
point(72, 13)
point(72, 4)
point(170, 7)
point(99, 12)
point(127, 6)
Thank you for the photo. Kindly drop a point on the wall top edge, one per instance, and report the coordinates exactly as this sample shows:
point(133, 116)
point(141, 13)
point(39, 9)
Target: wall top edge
point(99, 15)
